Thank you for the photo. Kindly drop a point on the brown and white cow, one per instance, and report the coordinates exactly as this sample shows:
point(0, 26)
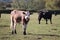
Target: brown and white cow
point(18, 16)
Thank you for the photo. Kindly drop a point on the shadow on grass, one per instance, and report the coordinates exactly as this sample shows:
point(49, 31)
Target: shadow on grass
point(44, 34)
point(4, 26)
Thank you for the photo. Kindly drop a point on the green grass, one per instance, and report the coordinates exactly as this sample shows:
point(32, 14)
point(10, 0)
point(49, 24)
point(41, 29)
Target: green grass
point(35, 31)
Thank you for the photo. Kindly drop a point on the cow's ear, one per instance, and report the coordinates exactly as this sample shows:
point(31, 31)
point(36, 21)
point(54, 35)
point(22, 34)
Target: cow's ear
point(23, 12)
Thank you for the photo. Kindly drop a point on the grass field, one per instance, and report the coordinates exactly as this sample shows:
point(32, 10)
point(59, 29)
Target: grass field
point(35, 31)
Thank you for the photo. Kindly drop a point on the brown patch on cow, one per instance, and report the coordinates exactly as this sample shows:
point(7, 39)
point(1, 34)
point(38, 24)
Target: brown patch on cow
point(18, 20)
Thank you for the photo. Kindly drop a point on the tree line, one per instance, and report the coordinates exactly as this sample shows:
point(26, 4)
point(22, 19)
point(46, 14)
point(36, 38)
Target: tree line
point(34, 4)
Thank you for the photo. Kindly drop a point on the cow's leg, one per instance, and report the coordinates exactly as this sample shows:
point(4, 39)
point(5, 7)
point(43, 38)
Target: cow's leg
point(39, 19)
point(50, 21)
point(24, 28)
point(12, 26)
point(0, 15)
point(46, 21)
point(15, 27)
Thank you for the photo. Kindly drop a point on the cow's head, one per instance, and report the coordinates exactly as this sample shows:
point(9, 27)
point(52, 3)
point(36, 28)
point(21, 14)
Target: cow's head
point(27, 15)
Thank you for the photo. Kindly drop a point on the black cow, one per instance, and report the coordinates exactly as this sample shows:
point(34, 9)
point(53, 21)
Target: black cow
point(46, 15)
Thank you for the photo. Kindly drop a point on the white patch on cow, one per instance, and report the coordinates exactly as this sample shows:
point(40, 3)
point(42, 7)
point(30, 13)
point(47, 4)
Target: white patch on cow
point(26, 17)
point(43, 13)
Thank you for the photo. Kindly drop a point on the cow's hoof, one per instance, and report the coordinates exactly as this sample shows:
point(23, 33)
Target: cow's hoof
point(46, 23)
point(39, 23)
point(15, 32)
point(12, 32)
point(51, 23)
point(24, 33)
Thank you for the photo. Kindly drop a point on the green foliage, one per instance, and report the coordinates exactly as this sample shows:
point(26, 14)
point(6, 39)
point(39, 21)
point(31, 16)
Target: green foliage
point(2, 5)
point(33, 4)
point(52, 4)
point(57, 3)
point(28, 4)
point(36, 4)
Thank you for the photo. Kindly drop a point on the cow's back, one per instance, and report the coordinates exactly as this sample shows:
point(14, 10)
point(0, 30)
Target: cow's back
point(17, 15)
